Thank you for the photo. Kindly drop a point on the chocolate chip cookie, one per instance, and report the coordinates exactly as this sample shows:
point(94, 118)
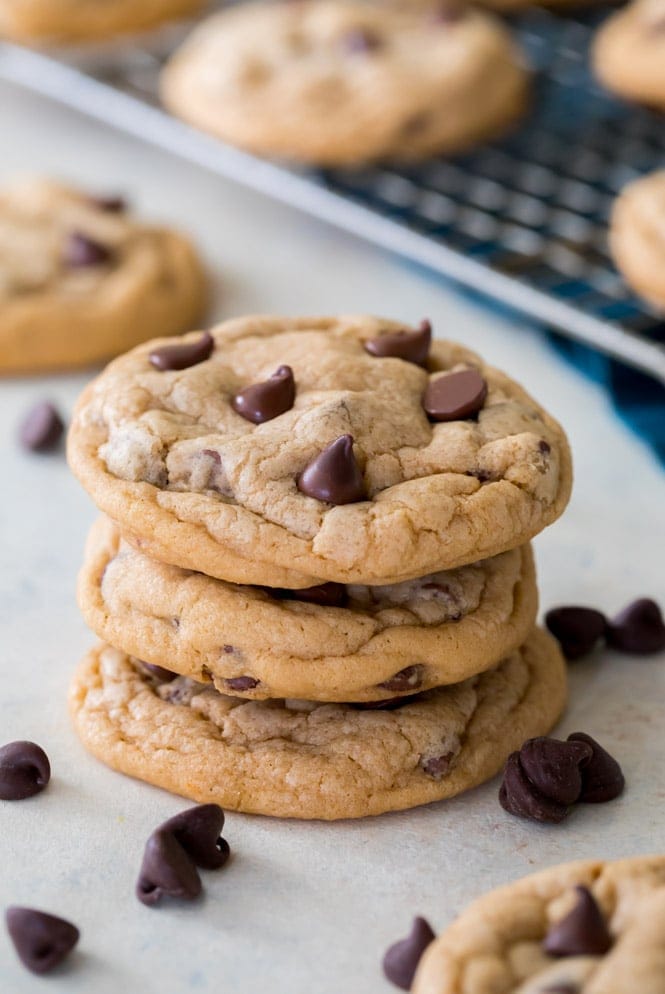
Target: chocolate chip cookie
point(629, 52)
point(81, 280)
point(334, 82)
point(582, 928)
point(330, 642)
point(377, 458)
point(300, 759)
point(82, 20)
point(637, 235)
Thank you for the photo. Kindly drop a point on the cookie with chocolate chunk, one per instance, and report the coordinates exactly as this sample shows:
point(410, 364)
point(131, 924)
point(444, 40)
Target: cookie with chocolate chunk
point(386, 459)
point(637, 234)
point(82, 280)
point(589, 927)
point(301, 759)
point(334, 82)
point(629, 52)
point(330, 642)
point(56, 21)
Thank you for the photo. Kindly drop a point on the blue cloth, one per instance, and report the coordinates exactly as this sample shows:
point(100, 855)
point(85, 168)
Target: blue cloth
point(638, 399)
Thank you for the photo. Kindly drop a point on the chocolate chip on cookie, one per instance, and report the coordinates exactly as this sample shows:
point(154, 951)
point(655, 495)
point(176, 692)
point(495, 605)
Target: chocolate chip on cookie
point(241, 683)
point(41, 428)
point(407, 680)
point(454, 396)
point(334, 475)
point(24, 770)
point(265, 401)
point(582, 932)
point(576, 629)
point(42, 941)
point(324, 594)
point(361, 41)
point(638, 629)
point(176, 357)
point(110, 204)
point(412, 346)
point(80, 251)
point(401, 959)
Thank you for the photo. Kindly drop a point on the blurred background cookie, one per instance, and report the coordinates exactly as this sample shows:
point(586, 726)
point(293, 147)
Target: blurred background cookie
point(637, 236)
point(629, 53)
point(79, 20)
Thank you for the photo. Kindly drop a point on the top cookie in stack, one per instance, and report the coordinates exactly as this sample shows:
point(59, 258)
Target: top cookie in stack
point(356, 501)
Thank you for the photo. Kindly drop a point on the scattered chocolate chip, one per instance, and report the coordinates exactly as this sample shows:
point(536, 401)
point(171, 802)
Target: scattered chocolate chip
point(24, 770)
point(112, 205)
point(166, 870)
point(267, 400)
point(172, 357)
point(576, 629)
point(583, 932)
point(412, 346)
point(602, 778)
point(638, 629)
point(79, 251)
point(241, 683)
point(401, 960)
point(437, 767)
point(334, 475)
point(361, 41)
point(324, 594)
point(553, 767)
point(455, 395)
point(41, 428)
point(199, 832)
point(159, 673)
point(41, 940)
point(518, 796)
point(409, 678)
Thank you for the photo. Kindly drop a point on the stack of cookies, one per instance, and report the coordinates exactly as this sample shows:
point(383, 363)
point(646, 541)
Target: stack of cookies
point(314, 584)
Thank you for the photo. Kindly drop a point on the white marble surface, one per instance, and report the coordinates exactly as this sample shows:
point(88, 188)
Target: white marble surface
point(303, 907)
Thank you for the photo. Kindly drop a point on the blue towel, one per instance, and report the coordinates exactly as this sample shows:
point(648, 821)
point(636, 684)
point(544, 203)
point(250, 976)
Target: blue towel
point(637, 398)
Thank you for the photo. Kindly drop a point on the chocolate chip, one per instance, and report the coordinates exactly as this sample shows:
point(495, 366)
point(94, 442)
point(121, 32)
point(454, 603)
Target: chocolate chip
point(324, 594)
point(112, 205)
point(79, 251)
point(583, 932)
point(41, 428)
point(561, 989)
point(544, 446)
point(576, 629)
point(24, 770)
point(166, 870)
point(228, 649)
point(334, 475)
point(159, 673)
point(602, 778)
point(412, 346)
point(172, 357)
point(407, 679)
point(362, 41)
point(447, 13)
point(553, 767)
point(437, 767)
point(638, 629)
point(241, 683)
point(518, 796)
point(388, 704)
point(199, 832)
point(41, 940)
point(267, 400)
point(401, 960)
point(455, 395)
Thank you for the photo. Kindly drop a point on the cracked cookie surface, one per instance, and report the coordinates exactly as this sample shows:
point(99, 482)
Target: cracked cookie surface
point(378, 643)
point(297, 759)
point(333, 82)
point(495, 946)
point(193, 483)
point(637, 234)
point(629, 52)
point(82, 280)
point(83, 20)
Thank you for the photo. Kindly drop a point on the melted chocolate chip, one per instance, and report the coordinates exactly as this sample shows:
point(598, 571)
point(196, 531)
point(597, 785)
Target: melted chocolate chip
point(576, 629)
point(334, 475)
point(42, 428)
point(79, 251)
point(112, 205)
point(583, 932)
point(561, 989)
point(409, 678)
point(24, 770)
point(42, 941)
point(166, 870)
point(159, 673)
point(602, 778)
point(437, 767)
point(638, 629)
point(401, 960)
point(455, 395)
point(412, 346)
point(182, 356)
point(324, 594)
point(362, 41)
point(448, 12)
point(553, 767)
point(388, 704)
point(267, 400)
point(199, 832)
point(518, 796)
point(241, 683)
point(544, 447)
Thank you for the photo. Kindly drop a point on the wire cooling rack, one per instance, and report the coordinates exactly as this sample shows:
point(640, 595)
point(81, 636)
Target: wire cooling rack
point(522, 222)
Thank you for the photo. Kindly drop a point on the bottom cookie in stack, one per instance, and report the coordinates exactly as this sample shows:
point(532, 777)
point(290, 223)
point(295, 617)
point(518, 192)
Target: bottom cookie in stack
point(301, 759)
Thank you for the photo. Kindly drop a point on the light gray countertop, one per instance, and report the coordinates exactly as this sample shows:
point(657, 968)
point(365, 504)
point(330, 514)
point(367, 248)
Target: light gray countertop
point(303, 907)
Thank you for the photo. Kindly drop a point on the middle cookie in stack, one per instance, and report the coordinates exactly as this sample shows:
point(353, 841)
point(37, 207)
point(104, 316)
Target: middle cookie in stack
point(404, 476)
